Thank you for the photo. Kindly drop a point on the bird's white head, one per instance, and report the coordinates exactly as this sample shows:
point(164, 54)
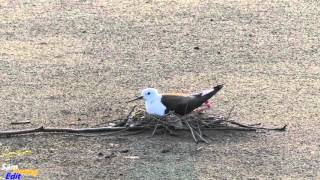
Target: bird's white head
point(152, 101)
point(150, 94)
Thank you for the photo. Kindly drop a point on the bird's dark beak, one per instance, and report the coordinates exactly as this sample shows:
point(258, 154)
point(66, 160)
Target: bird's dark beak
point(138, 98)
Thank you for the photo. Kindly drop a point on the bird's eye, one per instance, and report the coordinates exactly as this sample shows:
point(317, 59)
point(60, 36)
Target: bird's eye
point(148, 93)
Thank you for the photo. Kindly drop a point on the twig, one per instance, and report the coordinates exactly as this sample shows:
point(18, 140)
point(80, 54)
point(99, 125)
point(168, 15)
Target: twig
point(273, 129)
point(239, 124)
point(131, 111)
point(199, 134)
point(75, 124)
point(202, 138)
point(229, 114)
point(198, 126)
point(66, 130)
point(161, 120)
point(194, 138)
point(154, 130)
point(20, 122)
point(254, 124)
point(231, 129)
point(123, 121)
point(254, 127)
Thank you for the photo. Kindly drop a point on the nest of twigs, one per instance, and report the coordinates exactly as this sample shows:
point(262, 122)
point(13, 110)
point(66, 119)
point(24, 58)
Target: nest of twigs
point(137, 120)
point(196, 123)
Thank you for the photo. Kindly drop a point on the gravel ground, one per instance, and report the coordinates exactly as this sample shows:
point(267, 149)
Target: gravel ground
point(74, 63)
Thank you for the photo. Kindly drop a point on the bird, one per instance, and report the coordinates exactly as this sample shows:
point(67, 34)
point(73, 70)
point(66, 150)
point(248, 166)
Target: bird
point(182, 104)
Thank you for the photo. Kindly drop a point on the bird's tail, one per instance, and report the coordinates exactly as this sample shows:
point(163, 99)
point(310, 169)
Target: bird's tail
point(208, 94)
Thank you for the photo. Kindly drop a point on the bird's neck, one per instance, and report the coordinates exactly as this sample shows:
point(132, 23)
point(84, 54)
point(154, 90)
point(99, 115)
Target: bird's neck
point(156, 99)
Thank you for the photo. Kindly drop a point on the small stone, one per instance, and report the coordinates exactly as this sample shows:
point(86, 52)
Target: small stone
point(124, 151)
point(131, 157)
point(165, 150)
point(113, 145)
point(109, 155)
point(196, 48)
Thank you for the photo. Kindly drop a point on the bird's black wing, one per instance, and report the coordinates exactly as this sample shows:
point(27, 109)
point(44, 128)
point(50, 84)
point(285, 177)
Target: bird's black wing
point(180, 104)
point(185, 104)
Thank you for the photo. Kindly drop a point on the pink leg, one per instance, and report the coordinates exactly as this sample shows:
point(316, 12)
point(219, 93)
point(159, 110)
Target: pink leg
point(205, 106)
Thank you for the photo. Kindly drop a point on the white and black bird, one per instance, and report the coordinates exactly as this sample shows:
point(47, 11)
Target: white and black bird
point(161, 104)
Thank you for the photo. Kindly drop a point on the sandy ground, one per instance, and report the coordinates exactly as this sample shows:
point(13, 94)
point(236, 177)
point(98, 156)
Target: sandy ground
point(65, 62)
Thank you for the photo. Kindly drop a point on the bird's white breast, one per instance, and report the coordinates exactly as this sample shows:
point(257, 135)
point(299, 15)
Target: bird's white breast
point(156, 108)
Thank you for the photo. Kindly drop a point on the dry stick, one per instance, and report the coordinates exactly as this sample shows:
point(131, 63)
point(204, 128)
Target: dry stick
point(185, 109)
point(198, 126)
point(159, 120)
point(154, 130)
point(66, 130)
point(199, 134)
point(202, 138)
point(164, 124)
point(194, 138)
point(274, 129)
point(254, 124)
point(208, 137)
point(253, 127)
point(202, 134)
point(122, 123)
point(134, 107)
point(240, 124)
point(230, 113)
point(218, 121)
point(75, 124)
point(20, 122)
point(231, 128)
point(205, 124)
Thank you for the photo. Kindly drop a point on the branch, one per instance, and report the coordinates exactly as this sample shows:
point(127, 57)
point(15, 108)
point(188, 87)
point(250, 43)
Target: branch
point(65, 130)
point(256, 128)
point(20, 122)
point(190, 128)
point(121, 123)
